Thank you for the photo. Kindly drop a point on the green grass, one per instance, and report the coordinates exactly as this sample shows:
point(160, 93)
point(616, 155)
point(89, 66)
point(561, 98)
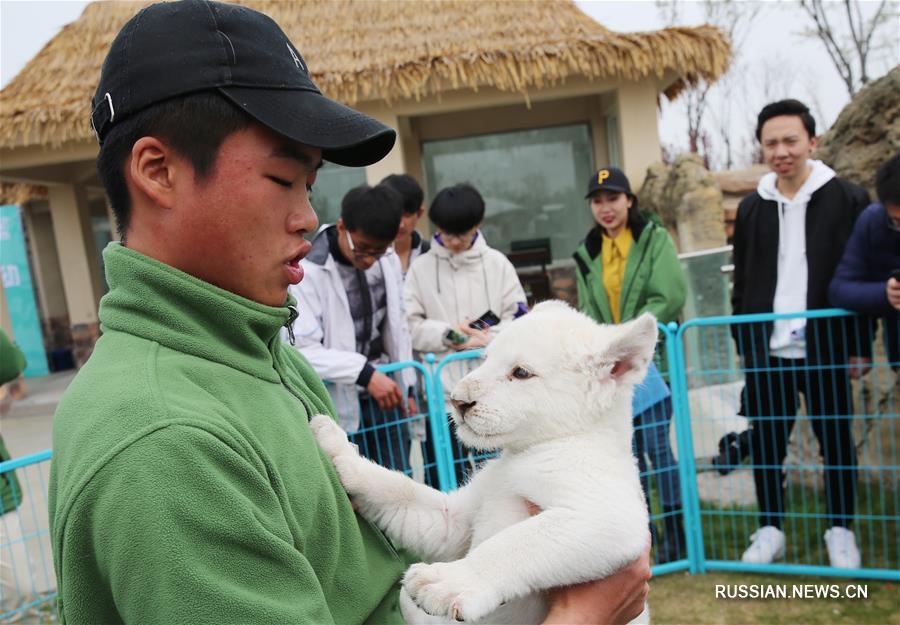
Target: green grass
point(679, 598)
point(726, 530)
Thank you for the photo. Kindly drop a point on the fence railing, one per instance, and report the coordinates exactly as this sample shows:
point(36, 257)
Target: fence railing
point(836, 467)
point(27, 579)
point(778, 477)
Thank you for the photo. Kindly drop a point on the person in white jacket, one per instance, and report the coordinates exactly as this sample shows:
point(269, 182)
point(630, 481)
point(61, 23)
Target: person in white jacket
point(458, 281)
point(352, 318)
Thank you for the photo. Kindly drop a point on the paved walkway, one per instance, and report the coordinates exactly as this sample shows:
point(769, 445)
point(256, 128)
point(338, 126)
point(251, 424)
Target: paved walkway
point(28, 426)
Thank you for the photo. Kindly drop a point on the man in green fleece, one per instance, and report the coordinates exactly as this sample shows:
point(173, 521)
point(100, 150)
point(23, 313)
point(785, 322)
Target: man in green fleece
point(186, 486)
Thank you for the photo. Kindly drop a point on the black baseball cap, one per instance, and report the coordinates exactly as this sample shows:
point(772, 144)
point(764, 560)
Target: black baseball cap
point(609, 179)
point(173, 49)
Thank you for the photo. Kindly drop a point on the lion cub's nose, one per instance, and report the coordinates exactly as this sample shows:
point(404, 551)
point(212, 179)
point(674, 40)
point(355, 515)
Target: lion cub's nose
point(462, 406)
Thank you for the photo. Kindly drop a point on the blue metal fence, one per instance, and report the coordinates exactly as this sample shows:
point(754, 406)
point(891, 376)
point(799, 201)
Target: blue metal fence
point(27, 579)
point(398, 438)
point(719, 507)
point(776, 475)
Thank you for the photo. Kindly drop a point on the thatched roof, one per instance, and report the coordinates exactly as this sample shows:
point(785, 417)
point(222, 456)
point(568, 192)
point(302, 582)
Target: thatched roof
point(385, 50)
point(15, 193)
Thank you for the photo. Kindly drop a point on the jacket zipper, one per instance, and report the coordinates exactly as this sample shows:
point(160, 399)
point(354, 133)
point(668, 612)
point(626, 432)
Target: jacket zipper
point(292, 317)
point(309, 413)
point(385, 541)
point(624, 298)
point(289, 325)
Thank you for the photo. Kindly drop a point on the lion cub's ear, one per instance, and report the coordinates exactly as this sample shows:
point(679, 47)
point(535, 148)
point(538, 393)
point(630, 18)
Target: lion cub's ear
point(625, 358)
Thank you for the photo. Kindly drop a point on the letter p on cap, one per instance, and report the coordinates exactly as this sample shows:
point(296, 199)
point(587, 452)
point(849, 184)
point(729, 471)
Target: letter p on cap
point(602, 175)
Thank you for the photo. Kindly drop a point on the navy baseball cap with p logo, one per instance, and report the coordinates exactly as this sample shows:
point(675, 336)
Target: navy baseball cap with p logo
point(174, 49)
point(609, 179)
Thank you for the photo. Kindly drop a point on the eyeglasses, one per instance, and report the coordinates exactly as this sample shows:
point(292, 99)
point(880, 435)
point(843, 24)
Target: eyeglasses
point(465, 237)
point(373, 254)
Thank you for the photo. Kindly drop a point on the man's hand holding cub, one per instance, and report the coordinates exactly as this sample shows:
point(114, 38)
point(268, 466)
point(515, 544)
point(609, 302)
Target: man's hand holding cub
point(619, 598)
point(616, 599)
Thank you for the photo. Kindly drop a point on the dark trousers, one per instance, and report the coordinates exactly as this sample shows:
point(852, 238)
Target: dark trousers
point(771, 400)
point(651, 438)
point(380, 437)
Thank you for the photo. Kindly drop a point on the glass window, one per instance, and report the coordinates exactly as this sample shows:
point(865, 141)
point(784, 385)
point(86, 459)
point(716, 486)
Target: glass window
point(332, 183)
point(708, 274)
point(612, 140)
point(102, 236)
point(102, 230)
point(533, 182)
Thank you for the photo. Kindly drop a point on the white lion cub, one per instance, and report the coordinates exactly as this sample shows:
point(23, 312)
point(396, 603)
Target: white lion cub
point(554, 396)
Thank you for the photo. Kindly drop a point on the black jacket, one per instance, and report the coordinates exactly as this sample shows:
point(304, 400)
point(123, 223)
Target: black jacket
point(830, 215)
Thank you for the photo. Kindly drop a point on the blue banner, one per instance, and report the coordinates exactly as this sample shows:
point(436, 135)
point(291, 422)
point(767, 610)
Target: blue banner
point(19, 291)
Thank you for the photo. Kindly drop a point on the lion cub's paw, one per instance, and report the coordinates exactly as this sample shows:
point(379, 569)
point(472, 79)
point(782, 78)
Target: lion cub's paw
point(451, 590)
point(331, 438)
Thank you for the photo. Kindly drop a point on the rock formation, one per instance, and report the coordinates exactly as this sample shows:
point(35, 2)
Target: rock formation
point(866, 133)
point(688, 200)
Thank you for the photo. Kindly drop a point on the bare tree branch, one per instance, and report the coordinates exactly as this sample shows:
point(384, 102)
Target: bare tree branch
point(851, 60)
point(826, 34)
point(735, 18)
point(856, 36)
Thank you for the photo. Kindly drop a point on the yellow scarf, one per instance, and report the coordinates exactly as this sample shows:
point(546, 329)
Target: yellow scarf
point(613, 255)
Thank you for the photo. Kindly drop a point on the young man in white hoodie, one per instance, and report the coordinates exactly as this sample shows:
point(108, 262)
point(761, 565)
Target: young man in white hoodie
point(457, 282)
point(351, 319)
point(789, 237)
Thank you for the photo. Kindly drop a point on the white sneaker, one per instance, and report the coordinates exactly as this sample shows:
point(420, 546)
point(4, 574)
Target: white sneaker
point(767, 546)
point(842, 550)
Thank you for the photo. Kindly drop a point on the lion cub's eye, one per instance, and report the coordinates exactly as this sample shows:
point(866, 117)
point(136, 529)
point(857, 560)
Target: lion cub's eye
point(522, 374)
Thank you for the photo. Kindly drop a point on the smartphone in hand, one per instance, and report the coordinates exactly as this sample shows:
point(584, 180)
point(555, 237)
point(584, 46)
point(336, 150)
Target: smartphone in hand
point(485, 321)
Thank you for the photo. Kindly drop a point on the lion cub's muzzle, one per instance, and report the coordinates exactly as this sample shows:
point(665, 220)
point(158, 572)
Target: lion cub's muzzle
point(462, 407)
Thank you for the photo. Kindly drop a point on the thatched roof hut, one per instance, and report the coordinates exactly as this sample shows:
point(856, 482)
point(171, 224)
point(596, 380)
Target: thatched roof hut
point(470, 86)
point(386, 50)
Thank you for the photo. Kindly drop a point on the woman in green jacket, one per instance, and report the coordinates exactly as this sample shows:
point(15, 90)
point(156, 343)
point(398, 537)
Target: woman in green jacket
point(627, 265)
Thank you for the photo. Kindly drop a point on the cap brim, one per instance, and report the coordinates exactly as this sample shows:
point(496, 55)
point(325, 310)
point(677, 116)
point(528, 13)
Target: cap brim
point(346, 137)
point(612, 188)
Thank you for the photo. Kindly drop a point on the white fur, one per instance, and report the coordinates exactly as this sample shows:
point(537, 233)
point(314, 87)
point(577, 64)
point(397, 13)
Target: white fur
point(565, 442)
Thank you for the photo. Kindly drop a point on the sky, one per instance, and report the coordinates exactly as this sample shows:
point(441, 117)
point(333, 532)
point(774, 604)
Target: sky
point(776, 61)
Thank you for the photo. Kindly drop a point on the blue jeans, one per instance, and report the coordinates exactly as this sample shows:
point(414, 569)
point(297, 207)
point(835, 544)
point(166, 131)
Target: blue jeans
point(651, 438)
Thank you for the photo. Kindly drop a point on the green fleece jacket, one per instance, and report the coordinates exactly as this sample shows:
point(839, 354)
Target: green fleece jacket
point(186, 486)
point(654, 281)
